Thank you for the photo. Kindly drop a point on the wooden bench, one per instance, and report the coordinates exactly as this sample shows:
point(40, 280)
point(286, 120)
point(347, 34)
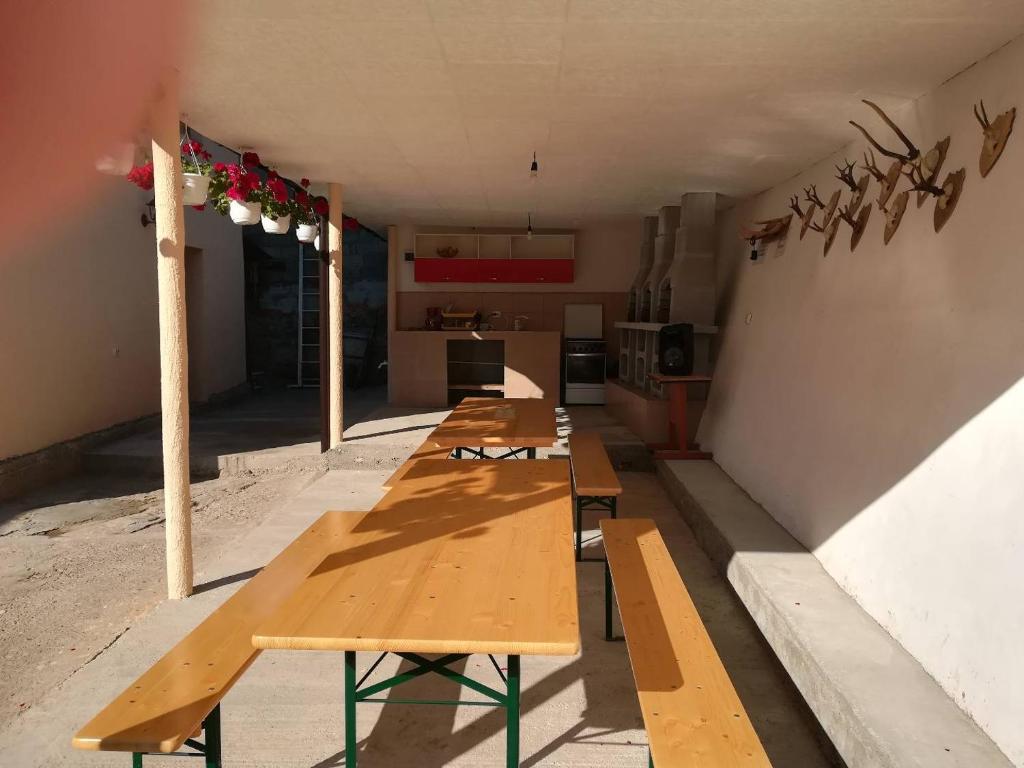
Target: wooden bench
point(179, 697)
point(428, 450)
point(594, 481)
point(691, 711)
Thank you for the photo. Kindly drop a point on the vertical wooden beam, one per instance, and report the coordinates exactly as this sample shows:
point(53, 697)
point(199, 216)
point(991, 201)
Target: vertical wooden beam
point(323, 265)
point(170, 274)
point(335, 329)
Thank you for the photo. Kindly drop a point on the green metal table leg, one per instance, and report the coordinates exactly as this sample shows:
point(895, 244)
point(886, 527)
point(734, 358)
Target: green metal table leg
point(607, 601)
point(650, 758)
point(350, 709)
point(579, 529)
point(211, 729)
point(136, 760)
point(512, 712)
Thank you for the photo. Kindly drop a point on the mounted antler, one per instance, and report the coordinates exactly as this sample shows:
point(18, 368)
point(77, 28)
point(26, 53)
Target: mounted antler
point(806, 217)
point(871, 167)
point(857, 223)
point(919, 183)
point(997, 132)
point(811, 196)
point(769, 229)
point(912, 151)
point(845, 175)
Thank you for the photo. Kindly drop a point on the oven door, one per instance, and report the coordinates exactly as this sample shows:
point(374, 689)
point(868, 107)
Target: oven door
point(584, 368)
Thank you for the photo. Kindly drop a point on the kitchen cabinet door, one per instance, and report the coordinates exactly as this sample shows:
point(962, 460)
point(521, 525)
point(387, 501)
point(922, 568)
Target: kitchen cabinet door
point(428, 270)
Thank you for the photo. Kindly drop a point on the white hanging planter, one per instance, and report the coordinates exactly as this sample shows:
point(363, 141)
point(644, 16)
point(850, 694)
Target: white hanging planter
point(195, 188)
point(244, 213)
point(307, 233)
point(316, 242)
point(278, 226)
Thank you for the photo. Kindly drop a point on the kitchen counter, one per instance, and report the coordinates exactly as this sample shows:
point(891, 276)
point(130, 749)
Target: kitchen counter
point(418, 365)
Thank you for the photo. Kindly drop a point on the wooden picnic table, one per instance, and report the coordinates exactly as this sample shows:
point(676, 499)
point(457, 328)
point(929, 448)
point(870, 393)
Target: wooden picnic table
point(459, 558)
point(517, 425)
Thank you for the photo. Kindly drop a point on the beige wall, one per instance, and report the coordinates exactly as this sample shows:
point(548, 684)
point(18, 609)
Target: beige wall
point(874, 402)
point(78, 321)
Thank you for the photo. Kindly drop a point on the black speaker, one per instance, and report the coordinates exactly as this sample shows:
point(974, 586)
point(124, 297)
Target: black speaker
point(675, 350)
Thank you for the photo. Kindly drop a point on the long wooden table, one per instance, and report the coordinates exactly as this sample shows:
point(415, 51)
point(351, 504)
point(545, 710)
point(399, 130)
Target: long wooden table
point(459, 558)
point(516, 425)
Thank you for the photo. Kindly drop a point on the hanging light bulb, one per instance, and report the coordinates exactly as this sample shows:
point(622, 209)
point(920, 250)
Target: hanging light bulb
point(534, 167)
point(529, 226)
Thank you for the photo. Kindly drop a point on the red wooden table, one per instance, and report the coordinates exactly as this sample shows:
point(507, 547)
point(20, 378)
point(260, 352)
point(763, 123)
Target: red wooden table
point(677, 446)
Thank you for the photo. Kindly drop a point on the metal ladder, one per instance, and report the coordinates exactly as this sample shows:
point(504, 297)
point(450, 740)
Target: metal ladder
point(308, 365)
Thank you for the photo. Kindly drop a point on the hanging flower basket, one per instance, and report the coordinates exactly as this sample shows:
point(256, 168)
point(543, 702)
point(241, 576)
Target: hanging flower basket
point(243, 212)
point(195, 188)
point(307, 233)
point(278, 226)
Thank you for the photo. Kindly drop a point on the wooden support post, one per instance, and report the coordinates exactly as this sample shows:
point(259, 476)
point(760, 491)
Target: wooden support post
point(170, 273)
point(335, 329)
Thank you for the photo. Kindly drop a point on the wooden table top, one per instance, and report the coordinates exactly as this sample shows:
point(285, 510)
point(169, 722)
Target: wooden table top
point(460, 557)
point(477, 422)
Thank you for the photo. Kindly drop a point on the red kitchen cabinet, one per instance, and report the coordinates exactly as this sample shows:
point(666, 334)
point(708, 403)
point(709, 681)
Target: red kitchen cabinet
point(429, 270)
point(543, 270)
point(446, 270)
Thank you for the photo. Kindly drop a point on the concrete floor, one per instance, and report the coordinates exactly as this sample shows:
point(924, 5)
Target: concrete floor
point(287, 709)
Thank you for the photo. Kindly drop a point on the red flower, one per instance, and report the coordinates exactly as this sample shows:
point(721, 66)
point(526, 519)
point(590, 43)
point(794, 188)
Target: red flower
point(141, 175)
point(302, 197)
point(349, 223)
point(320, 206)
point(235, 192)
point(304, 183)
point(219, 167)
point(250, 159)
point(271, 175)
point(278, 189)
point(200, 207)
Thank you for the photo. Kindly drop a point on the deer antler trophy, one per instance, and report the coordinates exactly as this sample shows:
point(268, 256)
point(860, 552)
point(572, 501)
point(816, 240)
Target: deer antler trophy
point(894, 214)
point(886, 181)
point(924, 169)
point(830, 234)
point(811, 195)
point(946, 196)
point(857, 223)
point(858, 187)
point(806, 217)
point(997, 132)
point(770, 229)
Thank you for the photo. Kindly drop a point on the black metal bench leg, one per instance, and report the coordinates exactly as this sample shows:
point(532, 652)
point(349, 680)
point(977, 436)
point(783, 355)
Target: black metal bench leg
point(211, 731)
point(614, 503)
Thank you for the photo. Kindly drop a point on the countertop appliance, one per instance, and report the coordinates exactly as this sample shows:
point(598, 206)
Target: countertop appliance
point(585, 354)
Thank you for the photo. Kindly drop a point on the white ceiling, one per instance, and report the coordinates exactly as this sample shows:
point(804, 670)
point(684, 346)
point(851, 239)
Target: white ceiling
point(429, 110)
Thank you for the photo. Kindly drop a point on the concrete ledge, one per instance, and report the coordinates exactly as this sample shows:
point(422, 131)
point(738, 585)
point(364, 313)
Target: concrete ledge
point(873, 699)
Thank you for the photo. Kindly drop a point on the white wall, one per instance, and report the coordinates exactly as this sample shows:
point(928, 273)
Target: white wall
point(874, 403)
point(607, 257)
point(79, 343)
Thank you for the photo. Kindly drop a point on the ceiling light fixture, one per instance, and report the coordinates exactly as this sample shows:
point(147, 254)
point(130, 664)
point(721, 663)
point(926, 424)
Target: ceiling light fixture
point(529, 226)
point(534, 167)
